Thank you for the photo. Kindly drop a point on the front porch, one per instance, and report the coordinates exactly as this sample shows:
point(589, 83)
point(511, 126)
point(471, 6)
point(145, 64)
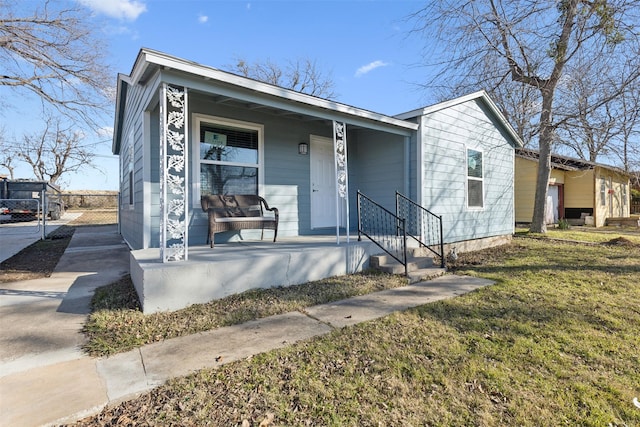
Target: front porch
point(235, 267)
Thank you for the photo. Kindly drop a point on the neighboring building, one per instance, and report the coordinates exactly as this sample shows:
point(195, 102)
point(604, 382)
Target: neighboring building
point(455, 158)
point(579, 191)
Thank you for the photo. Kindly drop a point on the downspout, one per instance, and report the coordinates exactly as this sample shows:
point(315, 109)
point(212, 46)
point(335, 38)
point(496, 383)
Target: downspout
point(407, 166)
point(419, 162)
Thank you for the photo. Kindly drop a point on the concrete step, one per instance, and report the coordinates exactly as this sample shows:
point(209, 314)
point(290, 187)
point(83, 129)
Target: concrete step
point(412, 253)
point(388, 264)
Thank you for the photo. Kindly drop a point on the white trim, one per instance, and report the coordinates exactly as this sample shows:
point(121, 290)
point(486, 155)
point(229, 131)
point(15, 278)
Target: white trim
point(481, 94)
point(146, 180)
point(420, 172)
point(147, 57)
point(131, 174)
point(198, 118)
point(467, 178)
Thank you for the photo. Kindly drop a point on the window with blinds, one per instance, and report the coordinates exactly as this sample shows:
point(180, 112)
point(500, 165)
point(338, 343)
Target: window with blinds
point(229, 157)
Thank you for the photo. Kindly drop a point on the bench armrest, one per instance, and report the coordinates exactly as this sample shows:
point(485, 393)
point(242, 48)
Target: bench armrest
point(266, 206)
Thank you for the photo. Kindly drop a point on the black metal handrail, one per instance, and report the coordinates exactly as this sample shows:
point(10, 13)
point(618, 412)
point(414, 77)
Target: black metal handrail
point(422, 225)
point(384, 228)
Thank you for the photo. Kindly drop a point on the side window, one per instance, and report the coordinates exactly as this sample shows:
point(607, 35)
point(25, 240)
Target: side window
point(475, 179)
point(229, 156)
point(603, 192)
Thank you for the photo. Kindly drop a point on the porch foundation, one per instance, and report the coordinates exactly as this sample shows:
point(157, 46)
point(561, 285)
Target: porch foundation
point(232, 268)
point(477, 244)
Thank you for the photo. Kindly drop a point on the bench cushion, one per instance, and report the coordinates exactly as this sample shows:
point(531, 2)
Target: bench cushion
point(245, 218)
point(238, 212)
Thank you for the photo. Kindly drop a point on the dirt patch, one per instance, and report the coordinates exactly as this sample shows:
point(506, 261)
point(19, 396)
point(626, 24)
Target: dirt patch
point(621, 241)
point(37, 260)
point(484, 256)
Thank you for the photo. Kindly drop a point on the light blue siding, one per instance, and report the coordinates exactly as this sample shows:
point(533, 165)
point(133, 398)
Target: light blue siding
point(132, 221)
point(380, 164)
point(445, 136)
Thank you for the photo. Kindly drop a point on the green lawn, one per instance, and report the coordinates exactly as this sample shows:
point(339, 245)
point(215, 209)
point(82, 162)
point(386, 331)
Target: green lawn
point(555, 342)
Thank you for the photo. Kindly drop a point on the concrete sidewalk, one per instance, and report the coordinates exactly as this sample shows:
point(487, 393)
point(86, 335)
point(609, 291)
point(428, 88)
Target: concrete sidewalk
point(56, 387)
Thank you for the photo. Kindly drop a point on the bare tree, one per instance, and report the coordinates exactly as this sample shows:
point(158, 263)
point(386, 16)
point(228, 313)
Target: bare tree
point(302, 75)
point(519, 103)
point(589, 132)
point(627, 143)
point(54, 53)
point(537, 43)
point(55, 151)
point(7, 154)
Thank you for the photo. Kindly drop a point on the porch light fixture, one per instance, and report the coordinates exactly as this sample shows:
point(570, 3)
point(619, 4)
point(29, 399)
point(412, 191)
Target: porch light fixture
point(303, 148)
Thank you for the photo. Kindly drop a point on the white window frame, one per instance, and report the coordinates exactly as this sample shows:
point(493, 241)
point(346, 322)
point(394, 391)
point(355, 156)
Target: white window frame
point(603, 191)
point(471, 178)
point(197, 119)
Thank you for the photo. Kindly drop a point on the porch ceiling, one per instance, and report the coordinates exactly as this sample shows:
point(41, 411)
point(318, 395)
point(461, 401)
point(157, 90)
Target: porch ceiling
point(267, 109)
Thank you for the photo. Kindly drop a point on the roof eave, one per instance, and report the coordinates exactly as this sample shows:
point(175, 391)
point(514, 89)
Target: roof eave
point(121, 97)
point(147, 58)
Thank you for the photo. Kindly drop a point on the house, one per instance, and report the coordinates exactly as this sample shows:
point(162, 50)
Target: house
point(462, 169)
point(456, 159)
point(579, 191)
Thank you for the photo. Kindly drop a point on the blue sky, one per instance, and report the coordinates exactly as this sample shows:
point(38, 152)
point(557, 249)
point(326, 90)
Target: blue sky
point(364, 45)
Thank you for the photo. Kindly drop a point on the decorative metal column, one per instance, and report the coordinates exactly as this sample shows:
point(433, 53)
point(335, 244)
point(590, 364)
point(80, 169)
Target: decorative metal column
point(173, 173)
point(342, 176)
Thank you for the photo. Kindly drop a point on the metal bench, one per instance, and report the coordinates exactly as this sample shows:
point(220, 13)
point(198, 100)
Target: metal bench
point(238, 212)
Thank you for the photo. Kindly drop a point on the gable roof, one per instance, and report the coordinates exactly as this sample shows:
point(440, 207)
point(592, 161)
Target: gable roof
point(481, 96)
point(566, 163)
point(149, 62)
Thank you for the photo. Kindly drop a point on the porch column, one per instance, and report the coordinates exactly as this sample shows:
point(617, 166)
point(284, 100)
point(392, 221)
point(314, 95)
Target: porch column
point(173, 173)
point(342, 175)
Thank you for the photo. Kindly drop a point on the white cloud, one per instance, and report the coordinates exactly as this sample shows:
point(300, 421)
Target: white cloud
point(122, 9)
point(105, 132)
point(202, 18)
point(370, 67)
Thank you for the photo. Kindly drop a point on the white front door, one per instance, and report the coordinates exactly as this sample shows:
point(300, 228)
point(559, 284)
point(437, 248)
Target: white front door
point(323, 183)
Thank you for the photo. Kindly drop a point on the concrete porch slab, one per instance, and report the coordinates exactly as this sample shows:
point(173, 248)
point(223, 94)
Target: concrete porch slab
point(232, 268)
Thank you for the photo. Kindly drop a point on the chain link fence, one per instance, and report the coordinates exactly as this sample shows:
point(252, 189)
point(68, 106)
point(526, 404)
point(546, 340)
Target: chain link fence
point(26, 217)
point(87, 209)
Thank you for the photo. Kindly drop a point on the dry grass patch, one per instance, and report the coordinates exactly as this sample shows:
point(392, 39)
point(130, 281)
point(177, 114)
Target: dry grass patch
point(554, 342)
point(96, 217)
point(36, 261)
point(589, 234)
point(117, 324)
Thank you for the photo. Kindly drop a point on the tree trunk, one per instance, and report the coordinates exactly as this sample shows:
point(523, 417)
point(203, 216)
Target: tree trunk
point(538, 223)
